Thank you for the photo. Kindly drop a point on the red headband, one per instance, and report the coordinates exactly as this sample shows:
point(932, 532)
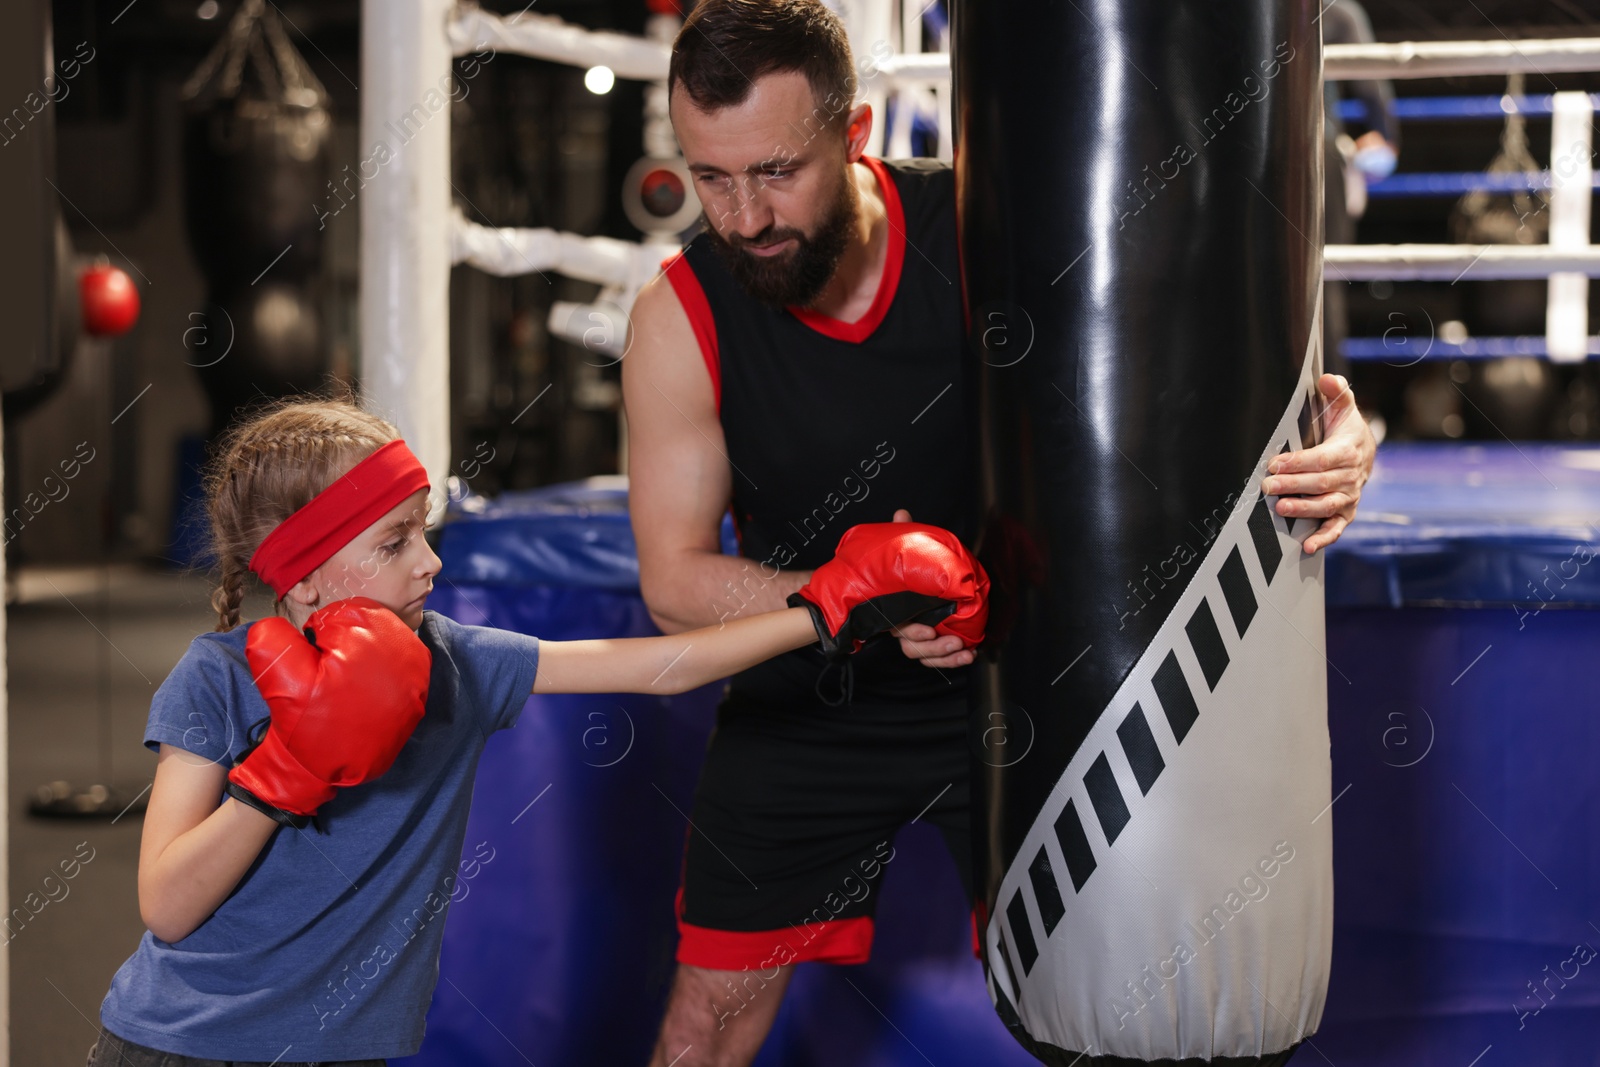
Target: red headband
point(337, 515)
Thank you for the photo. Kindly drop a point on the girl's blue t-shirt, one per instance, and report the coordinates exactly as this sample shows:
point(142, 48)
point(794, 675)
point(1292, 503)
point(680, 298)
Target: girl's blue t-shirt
point(328, 949)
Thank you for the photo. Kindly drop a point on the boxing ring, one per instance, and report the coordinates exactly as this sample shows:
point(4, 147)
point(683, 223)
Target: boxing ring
point(1448, 603)
point(411, 236)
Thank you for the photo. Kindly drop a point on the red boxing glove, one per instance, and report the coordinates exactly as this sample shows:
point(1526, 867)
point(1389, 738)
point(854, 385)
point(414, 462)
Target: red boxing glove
point(344, 698)
point(886, 574)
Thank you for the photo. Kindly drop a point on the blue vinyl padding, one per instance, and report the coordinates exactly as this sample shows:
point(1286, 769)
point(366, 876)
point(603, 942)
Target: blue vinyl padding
point(1461, 630)
point(1471, 525)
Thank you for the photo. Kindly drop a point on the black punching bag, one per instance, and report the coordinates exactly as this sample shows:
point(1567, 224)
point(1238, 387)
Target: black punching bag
point(256, 144)
point(1140, 198)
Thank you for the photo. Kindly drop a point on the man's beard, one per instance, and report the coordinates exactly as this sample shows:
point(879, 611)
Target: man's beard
point(798, 276)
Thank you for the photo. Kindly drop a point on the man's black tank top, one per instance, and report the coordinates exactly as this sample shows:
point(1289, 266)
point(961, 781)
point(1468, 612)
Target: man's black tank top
point(829, 424)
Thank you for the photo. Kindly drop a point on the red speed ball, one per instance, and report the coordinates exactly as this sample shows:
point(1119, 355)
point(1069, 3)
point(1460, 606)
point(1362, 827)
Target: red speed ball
point(110, 300)
point(662, 192)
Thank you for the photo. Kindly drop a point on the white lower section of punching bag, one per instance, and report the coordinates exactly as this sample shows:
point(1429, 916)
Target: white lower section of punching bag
point(1206, 928)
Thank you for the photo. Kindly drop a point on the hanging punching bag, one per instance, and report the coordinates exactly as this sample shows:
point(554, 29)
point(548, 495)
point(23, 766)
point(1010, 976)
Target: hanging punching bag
point(1139, 187)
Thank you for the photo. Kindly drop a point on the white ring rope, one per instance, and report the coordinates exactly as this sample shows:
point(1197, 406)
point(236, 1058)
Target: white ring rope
point(508, 251)
point(1448, 59)
point(1359, 263)
point(547, 37)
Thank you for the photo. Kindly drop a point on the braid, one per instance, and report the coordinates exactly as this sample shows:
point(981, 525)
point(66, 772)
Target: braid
point(270, 466)
point(228, 596)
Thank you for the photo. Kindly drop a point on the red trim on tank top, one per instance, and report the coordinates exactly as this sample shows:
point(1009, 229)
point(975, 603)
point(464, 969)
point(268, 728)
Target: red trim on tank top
point(693, 298)
point(861, 329)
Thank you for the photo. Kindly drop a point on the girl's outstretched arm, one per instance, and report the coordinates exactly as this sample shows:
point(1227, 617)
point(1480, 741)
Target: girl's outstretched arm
point(673, 664)
point(193, 852)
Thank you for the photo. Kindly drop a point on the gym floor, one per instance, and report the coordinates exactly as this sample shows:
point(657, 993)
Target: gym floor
point(86, 649)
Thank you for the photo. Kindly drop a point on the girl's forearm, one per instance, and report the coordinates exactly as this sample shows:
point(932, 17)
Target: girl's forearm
point(698, 589)
point(199, 868)
point(673, 664)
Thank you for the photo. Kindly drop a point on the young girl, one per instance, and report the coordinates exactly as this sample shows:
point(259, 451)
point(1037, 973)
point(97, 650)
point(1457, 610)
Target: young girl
point(315, 769)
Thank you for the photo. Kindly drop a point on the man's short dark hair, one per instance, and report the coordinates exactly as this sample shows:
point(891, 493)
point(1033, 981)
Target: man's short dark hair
point(725, 45)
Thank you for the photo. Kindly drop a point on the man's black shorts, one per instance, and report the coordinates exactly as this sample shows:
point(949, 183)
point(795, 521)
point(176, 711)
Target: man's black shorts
point(794, 820)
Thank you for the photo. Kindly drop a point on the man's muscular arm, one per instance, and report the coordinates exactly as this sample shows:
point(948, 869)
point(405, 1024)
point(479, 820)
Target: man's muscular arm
point(680, 480)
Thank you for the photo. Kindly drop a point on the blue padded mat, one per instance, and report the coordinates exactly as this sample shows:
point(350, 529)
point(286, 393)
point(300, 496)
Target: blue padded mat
point(1473, 524)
